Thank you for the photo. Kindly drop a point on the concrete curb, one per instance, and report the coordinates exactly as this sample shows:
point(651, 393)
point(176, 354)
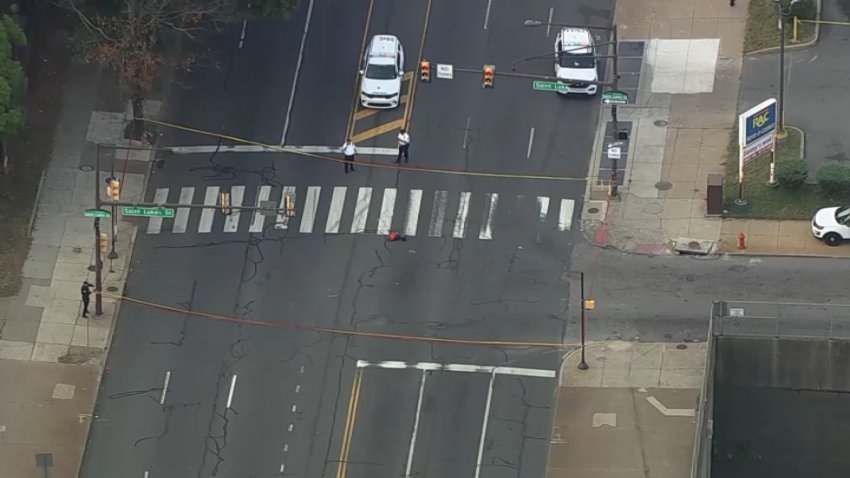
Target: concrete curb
point(794, 46)
point(781, 254)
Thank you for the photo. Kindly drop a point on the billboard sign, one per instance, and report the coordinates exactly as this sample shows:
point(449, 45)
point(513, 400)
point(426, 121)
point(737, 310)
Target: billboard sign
point(756, 128)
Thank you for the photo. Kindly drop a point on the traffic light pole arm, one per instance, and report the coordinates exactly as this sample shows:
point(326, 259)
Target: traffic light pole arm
point(195, 206)
point(534, 77)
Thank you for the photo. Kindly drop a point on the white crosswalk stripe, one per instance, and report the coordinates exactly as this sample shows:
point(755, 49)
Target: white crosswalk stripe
point(446, 206)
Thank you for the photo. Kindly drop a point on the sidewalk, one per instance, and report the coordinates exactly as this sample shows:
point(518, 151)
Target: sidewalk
point(51, 359)
point(631, 414)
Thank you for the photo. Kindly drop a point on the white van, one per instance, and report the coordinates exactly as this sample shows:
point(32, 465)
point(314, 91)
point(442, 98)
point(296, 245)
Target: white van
point(382, 72)
point(575, 60)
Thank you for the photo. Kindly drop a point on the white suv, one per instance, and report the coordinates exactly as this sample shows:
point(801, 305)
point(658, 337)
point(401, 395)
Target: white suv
point(382, 72)
point(832, 225)
point(575, 60)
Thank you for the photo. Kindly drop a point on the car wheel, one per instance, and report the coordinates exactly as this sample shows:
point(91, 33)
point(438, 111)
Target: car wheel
point(832, 239)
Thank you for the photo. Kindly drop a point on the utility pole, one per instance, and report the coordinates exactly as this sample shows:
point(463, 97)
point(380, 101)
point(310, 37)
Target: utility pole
point(616, 124)
point(583, 364)
point(98, 262)
point(780, 17)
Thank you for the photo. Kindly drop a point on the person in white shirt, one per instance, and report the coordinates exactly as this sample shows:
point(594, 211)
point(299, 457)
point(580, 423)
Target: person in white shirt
point(349, 150)
point(403, 145)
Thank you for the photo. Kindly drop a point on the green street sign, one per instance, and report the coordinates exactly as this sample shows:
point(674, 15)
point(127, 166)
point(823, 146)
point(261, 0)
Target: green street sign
point(147, 211)
point(615, 97)
point(550, 86)
point(97, 213)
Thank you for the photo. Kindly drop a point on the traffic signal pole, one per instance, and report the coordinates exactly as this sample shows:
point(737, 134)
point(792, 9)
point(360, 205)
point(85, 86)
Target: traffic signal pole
point(616, 81)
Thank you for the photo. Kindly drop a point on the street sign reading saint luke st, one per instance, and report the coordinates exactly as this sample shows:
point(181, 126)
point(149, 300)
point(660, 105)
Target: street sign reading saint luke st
point(97, 213)
point(615, 97)
point(550, 86)
point(147, 211)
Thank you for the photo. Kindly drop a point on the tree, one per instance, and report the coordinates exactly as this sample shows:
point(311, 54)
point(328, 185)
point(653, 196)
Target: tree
point(12, 83)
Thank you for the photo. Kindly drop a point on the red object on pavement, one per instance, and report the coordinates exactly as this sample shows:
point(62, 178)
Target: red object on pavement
point(393, 236)
point(742, 241)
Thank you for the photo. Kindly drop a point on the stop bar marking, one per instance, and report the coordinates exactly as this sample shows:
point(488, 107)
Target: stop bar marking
point(431, 366)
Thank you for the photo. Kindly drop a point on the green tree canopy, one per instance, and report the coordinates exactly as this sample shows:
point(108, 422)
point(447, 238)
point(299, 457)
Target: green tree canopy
point(12, 78)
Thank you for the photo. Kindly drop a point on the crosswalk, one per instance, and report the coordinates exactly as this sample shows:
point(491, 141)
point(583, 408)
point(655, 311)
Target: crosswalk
point(375, 211)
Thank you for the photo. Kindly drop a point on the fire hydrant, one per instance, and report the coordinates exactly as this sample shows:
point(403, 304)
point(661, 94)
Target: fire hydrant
point(742, 241)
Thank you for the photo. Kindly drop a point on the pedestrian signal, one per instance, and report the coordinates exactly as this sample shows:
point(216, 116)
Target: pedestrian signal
point(425, 71)
point(103, 241)
point(113, 189)
point(224, 203)
point(489, 76)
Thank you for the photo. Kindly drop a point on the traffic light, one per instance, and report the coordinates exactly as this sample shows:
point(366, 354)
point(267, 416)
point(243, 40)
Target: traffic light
point(103, 242)
point(289, 204)
point(489, 76)
point(224, 203)
point(113, 189)
point(425, 71)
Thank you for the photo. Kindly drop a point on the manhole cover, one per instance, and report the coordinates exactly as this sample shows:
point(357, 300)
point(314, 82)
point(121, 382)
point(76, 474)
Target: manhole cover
point(659, 123)
point(681, 346)
point(652, 208)
point(693, 245)
point(663, 185)
point(112, 288)
point(593, 210)
point(90, 268)
point(77, 250)
point(86, 169)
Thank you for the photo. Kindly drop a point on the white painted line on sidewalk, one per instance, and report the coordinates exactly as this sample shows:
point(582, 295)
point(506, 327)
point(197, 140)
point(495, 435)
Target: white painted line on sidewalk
point(361, 210)
point(282, 219)
point(409, 466)
point(411, 221)
point(487, 14)
point(259, 219)
point(549, 23)
point(231, 223)
point(165, 387)
point(438, 213)
point(251, 148)
point(155, 223)
point(484, 425)
point(181, 218)
point(565, 217)
point(530, 143)
point(460, 221)
point(297, 72)
point(670, 412)
point(385, 221)
point(230, 394)
point(208, 213)
point(310, 207)
point(491, 200)
point(335, 212)
point(454, 367)
point(543, 207)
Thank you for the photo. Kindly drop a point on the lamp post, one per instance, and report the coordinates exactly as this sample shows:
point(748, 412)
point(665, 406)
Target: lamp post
point(780, 18)
point(583, 364)
point(98, 262)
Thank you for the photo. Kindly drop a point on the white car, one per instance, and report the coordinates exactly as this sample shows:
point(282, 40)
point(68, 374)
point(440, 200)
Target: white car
point(575, 60)
point(832, 225)
point(382, 72)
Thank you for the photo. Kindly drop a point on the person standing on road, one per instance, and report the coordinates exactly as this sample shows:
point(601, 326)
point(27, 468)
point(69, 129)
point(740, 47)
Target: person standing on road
point(349, 150)
point(85, 293)
point(403, 145)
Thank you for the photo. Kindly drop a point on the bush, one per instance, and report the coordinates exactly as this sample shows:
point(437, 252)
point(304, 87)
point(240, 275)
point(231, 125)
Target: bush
point(791, 174)
point(834, 179)
point(805, 9)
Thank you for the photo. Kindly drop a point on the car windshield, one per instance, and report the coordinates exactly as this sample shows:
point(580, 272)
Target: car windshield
point(842, 215)
point(381, 72)
point(569, 60)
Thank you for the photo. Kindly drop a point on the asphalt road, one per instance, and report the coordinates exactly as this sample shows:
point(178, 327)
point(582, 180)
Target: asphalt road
point(250, 390)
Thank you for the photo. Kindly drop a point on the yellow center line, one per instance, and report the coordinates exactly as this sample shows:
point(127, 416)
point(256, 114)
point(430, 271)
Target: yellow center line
point(377, 130)
point(350, 418)
point(350, 128)
point(408, 110)
point(369, 112)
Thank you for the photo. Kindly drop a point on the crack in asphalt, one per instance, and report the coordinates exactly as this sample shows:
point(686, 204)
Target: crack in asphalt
point(184, 325)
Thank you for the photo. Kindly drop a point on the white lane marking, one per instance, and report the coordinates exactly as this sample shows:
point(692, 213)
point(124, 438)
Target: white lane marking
point(147, 473)
point(237, 193)
point(438, 213)
point(670, 412)
point(409, 466)
point(208, 214)
point(530, 143)
point(460, 221)
point(294, 408)
point(466, 132)
point(335, 213)
point(230, 393)
point(484, 426)
point(542, 207)
point(549, 23)
point(155, 223)
point(259, 219)
point(187, 194)
point(385, 222)
point(282, 468)
point(282, 219)
point(361, 210)
point(165, 387)
point(454, 367)
point(285, 447)
point(290, 427)
point(411, 221)
point(250, 148)
point(242, 35)
point(310, 206)
point(297, 72)
point(565, 217)
point(487, 14)
point(298, 389)
point(486, 232)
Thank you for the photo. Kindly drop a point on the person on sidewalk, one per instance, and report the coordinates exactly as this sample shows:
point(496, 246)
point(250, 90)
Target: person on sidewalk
point(85, 293)
point(403, 145)
point(349, 150)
